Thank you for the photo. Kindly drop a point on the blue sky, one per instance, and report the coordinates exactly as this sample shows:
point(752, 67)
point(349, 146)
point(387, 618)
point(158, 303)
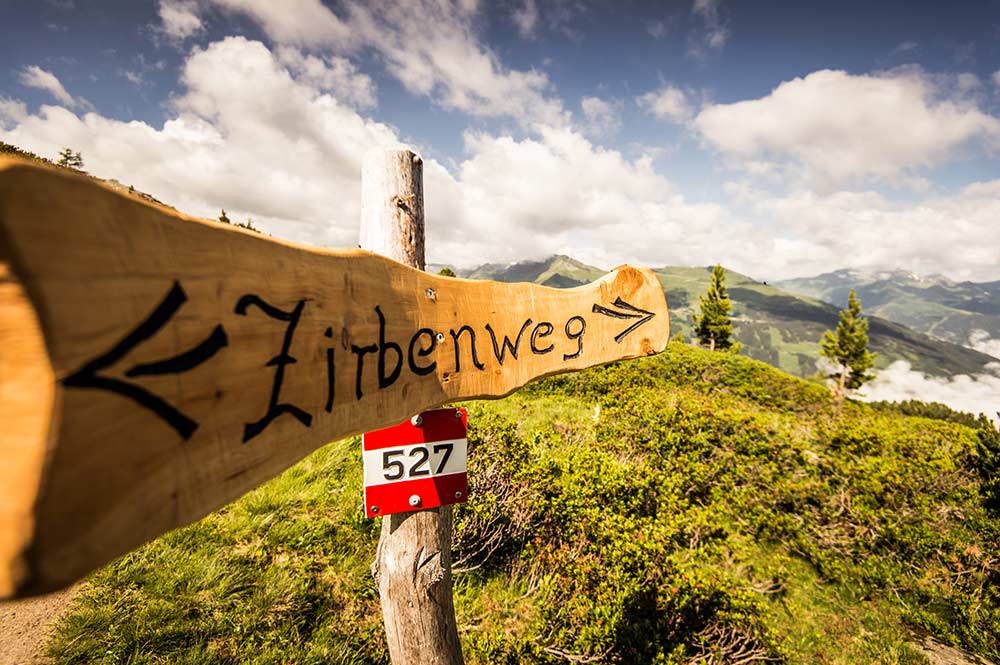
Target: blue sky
point(781, 139)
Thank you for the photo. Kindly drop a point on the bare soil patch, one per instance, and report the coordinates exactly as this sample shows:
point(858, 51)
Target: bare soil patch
point(26, 624)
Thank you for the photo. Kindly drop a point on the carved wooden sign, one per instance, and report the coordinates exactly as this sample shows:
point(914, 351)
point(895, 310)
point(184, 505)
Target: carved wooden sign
point(154, 367)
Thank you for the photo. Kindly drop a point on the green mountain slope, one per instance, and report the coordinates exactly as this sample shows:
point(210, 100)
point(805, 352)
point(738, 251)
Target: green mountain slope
point(937, 306)
point(773, 325)
point(689, 507)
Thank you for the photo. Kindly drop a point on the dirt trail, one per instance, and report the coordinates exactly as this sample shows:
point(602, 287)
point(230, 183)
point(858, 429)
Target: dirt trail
point(26, 624)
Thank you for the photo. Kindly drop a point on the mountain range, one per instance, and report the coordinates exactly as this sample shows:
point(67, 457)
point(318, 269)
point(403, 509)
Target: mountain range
point(965, 313)
point(782, 324)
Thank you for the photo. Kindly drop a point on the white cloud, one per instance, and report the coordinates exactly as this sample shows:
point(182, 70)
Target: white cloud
point(996, 78)
point(667, 103)
point(330, 73)
point(245, 135)
point(180, 18)
point(956, 235)
point(982, 341)
point(34, 76)
point(844, 128)
point(657, 29)
point(252, 136)
point(559, 193)
point(603, 117)
point(714, 33)
point(526, 18)
point(967, 82)
point(12, 111)
point(431, 46)
point(976, 394)
point(296, 22)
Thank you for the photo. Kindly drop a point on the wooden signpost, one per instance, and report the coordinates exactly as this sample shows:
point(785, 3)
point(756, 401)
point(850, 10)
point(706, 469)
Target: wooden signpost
point(154, 367)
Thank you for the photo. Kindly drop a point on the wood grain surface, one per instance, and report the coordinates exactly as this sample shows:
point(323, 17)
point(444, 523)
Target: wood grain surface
point(154, 367)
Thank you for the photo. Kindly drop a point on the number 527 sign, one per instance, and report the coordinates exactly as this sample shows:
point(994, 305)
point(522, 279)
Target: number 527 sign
point(418, 464)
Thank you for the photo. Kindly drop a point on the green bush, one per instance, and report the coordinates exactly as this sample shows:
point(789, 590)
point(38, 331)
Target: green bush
point(688, 507)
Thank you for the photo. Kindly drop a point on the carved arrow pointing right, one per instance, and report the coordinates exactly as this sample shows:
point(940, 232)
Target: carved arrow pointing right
point(632, 313)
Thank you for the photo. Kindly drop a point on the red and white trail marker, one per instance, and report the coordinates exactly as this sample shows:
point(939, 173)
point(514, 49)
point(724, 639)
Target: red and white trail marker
point(420, 463)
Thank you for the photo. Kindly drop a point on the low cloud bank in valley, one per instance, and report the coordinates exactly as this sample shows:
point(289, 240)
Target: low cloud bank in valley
point(981, 341)
point(979, 393)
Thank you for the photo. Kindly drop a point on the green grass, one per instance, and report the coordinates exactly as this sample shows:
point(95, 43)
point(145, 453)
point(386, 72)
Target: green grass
point(645, 512)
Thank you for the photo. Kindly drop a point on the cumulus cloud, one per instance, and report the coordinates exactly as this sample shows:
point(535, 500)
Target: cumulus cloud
point(867, 230)
point(330, 74)
point(179, 18)
point(254, 132)
point(525, 17)
point(976, 394)
point(431, 47)
point(298, 22)
point(559, 193)
point(12, 111)
point(667, 103)
point(246, 135)
point(602, 116)
point(713, 33)
point(34, 76)
point(982, 341)
point(843, 128)
point(657, 29)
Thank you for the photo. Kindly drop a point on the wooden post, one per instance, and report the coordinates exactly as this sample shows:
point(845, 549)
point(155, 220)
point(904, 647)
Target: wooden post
point(412, 566)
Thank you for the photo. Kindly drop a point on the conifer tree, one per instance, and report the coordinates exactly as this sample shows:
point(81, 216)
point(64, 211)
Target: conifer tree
point(224, 218)
point(70, 159)
point(713, 327)
point(848, 349)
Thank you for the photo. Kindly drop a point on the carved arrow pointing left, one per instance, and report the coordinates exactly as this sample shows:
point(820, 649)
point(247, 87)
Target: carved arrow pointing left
point(88, 376)
point(632, 312)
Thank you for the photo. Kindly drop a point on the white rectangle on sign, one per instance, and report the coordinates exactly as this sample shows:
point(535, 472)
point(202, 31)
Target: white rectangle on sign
point(414, 461)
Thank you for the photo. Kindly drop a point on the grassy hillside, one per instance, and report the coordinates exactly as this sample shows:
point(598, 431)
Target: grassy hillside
point(682, 508)
point(937, 306)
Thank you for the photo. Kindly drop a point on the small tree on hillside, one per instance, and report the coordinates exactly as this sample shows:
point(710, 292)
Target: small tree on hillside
point(847, 347)
point(224, 218)
point(447, 272)
point(70, 159)
point(713, 327)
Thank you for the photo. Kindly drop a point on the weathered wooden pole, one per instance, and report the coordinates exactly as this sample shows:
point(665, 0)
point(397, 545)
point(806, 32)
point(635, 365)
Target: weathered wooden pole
point(413, 563)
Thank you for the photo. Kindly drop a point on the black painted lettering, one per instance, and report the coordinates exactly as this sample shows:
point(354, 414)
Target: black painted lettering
point(472, 346)
point(383, 380)
point(578, 336)
point(501, 351)
point(361, 351)
point(330, 383)
point(274, 408)
point(422, 352)
point(543, 329)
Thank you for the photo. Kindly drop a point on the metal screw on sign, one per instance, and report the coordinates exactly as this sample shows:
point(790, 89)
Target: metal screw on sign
point(458, 413)
point(374, 509)
point(431, 294)
point(415, 501)
point(440, 337)
point(417, 420)
point(458, 495)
